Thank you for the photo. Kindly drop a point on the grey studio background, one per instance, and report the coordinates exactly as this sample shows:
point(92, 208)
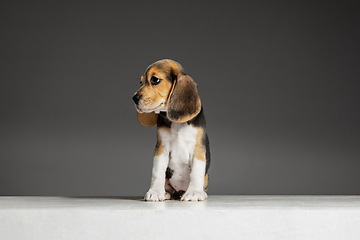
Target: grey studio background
point(279, 82)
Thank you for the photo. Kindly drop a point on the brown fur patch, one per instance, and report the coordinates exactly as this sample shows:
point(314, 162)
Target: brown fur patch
point(155, 72)
point(163, 89)
point(142, 80)
point(149, 98)
point(200, 149)
point(177, 68)
point(206, 180)
point(164, 86)
point(159, 148)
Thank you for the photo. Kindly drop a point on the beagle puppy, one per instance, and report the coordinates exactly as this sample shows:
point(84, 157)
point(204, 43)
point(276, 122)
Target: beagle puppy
point(169, 98)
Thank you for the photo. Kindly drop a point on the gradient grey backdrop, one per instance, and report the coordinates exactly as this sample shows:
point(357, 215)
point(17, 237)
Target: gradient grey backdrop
point(279, 83)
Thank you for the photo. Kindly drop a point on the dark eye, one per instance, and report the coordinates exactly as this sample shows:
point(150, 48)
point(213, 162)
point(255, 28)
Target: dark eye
point(155, 80)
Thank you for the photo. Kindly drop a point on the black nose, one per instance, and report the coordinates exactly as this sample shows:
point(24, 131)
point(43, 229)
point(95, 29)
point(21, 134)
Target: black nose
point(136, 98)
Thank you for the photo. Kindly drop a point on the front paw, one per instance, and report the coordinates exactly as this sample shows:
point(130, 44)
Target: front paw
point(156, 195)
point(191, 195)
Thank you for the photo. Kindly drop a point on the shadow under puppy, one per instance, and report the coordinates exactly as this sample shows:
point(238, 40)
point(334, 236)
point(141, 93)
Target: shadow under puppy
point(169, 98)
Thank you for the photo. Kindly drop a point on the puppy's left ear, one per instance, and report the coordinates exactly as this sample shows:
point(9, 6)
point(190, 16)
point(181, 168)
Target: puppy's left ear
point(147, 119)
point(184, 101)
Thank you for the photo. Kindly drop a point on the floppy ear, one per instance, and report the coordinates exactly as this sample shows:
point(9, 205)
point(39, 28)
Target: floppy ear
point(184, 101)
point(147, 119)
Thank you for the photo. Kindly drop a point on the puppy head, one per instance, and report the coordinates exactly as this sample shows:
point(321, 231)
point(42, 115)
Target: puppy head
point(165, 87)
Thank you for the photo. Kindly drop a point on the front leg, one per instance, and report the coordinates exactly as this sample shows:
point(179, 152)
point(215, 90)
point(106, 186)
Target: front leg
point(195, 191)
point(157, 188)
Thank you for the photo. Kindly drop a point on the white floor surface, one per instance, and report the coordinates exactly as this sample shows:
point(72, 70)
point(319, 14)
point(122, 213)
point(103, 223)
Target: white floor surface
point(219, 217)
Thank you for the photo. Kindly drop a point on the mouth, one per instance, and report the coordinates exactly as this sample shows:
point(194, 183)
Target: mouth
point(138, 109)
point(156, 109)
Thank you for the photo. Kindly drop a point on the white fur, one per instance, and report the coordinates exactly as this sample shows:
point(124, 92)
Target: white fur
point(188, 172)
point(157, 188)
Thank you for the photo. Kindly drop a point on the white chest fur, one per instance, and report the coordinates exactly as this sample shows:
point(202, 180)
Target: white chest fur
point(179, 143)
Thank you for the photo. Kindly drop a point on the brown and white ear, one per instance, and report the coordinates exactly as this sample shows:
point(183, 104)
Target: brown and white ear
point(147, 119)
point(184, 101)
